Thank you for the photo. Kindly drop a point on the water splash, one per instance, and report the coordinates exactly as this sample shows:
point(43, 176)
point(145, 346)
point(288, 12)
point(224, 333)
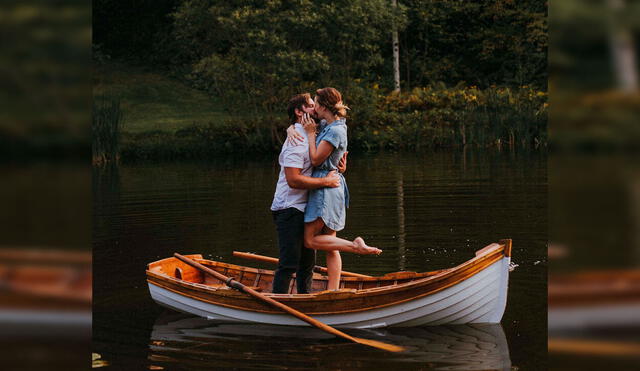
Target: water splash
point(513, 266)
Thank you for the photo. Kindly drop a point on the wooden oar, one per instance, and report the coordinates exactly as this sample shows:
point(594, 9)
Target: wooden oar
point(268, 259)
point(229, 281)
point(593, 347)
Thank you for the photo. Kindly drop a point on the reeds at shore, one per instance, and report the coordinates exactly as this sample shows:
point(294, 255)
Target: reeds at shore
point(106, 125)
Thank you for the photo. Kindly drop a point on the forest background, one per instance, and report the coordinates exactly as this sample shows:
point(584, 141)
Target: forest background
point(179, 79)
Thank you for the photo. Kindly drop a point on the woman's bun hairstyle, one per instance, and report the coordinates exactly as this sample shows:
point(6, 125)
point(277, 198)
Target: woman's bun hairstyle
point(331, 99)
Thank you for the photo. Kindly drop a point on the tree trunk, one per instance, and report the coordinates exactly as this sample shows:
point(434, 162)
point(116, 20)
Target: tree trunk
point(396, 54)
point(622, 49)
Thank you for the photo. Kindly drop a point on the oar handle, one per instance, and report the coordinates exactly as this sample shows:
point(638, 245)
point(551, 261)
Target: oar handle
point(268, 259)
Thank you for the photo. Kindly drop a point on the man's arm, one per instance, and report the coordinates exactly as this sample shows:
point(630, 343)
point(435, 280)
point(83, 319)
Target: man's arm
point(295, 179)
point(342, 165)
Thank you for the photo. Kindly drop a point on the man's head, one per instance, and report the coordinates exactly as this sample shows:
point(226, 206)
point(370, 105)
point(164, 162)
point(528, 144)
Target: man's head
point(299, 104)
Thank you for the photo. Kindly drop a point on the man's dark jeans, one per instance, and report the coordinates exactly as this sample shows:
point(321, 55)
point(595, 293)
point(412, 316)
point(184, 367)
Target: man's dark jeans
point(294, 257)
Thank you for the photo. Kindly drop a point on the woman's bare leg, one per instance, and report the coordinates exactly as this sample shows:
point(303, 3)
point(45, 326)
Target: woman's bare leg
point(334, 269)
point(334, 263)
point(313, 239)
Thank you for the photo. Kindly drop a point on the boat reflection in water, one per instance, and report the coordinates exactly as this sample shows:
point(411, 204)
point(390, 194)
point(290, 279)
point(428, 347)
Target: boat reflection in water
point(180, 341)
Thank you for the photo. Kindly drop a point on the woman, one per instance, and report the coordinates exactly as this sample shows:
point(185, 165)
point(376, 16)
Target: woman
point(326, 207)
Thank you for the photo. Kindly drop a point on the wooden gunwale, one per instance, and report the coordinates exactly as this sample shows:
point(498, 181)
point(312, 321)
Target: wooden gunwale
point(305, 297)
point(54, 282)
point(43, 255)
point(359, 300)
point(594, 288)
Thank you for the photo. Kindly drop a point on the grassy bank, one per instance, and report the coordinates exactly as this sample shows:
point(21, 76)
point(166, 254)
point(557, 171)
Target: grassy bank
point(151, 101)
point(165, 118)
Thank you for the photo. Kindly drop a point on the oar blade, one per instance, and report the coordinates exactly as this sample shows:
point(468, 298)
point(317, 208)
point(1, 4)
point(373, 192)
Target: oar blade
point(380, 345)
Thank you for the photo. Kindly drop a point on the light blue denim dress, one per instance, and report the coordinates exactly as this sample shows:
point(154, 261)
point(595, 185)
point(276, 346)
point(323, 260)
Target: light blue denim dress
point(330, 203)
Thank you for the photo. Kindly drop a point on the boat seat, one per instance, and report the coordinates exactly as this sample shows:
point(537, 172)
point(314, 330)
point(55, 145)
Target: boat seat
point(399, 275)
point(190, 275)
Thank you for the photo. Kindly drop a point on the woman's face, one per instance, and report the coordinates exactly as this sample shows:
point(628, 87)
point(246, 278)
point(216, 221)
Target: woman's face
point(320, 111)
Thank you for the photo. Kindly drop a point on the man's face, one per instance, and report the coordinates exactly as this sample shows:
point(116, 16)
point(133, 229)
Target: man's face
point(309, 108)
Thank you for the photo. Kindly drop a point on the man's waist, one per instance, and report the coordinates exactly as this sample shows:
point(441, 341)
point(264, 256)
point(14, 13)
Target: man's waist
point(286, 210)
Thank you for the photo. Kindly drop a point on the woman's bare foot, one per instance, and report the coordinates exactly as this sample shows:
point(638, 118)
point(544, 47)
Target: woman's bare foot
point(361, 248)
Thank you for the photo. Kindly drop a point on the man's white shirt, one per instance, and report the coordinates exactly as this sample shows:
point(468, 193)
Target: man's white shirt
point(295, 156)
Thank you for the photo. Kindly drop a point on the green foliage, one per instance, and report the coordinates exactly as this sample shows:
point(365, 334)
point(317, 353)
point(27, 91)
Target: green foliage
point(285, 42)
point(425, 118)
point(256, 54)
point(478, 42)
point(443, 117)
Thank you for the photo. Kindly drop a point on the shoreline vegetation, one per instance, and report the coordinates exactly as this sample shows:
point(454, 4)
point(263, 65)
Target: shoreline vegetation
point(149, 116)
point(468, 74)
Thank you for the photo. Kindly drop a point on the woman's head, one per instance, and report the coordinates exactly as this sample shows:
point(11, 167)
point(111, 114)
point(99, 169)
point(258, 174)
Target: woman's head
point(329, 103)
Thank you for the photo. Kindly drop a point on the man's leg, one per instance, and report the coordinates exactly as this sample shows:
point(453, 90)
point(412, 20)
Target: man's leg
point(288, 223)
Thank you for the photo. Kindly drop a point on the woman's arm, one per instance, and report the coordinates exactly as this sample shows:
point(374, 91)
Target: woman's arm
point(317, 154)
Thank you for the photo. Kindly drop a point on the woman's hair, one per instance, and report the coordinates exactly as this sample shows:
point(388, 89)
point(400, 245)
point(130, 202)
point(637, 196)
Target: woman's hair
point(331, 99)
point(297, 102)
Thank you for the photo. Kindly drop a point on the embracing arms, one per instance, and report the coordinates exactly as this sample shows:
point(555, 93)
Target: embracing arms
point(317, 154)
point(321, 152)
point(295, 179)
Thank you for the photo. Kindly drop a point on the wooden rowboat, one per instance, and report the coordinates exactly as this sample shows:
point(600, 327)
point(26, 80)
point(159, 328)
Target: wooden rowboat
point(45, 293)
point(472, 292)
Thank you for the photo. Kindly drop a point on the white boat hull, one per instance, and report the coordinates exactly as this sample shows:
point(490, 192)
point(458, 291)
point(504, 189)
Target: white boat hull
point(480, 298)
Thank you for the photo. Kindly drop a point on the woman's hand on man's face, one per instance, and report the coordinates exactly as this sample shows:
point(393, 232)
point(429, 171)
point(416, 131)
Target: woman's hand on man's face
point(308, 124)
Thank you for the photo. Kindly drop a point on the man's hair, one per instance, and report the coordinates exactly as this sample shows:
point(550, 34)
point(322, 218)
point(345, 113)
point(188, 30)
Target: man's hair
point(297, 102)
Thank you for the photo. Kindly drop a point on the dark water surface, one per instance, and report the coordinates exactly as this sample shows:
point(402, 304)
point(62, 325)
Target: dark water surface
point(426, 212)
point(595, 220)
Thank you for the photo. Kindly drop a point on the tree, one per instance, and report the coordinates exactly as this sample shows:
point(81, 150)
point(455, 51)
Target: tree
point(622, 48)
point(256, 54)
point(396, 54)
point(484, 42)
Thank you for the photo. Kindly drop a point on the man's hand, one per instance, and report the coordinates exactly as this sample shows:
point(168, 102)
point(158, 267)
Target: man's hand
point(342, 165)
point(293, 137)
point(332, 179)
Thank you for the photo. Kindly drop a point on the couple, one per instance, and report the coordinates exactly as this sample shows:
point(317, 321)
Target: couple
point(309, 205)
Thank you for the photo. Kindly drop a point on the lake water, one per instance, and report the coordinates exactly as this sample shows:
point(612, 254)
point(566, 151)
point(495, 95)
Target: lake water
point(426, 212)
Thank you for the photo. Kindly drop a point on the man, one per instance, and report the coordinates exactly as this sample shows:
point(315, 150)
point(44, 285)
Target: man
point(290, 200)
